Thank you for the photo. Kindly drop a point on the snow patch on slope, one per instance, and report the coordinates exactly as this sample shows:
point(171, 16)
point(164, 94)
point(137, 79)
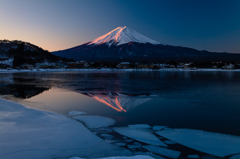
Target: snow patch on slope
point(122, 35)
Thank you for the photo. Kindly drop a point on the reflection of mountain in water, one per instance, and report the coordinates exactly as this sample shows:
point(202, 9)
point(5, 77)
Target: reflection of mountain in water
point(21, 88)
point(120, 102)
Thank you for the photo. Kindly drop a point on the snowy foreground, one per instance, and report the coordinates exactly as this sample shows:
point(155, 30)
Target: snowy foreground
point(33, 134)
point(114, 70)
point(161, 141)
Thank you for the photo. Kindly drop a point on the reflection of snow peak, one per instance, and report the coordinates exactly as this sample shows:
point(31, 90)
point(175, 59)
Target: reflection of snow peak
point(120, 102)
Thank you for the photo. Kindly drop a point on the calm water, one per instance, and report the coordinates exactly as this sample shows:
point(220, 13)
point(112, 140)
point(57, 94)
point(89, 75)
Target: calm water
point(198, 100)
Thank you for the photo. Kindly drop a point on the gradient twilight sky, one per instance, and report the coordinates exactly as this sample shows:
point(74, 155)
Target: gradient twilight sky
point(212, 25)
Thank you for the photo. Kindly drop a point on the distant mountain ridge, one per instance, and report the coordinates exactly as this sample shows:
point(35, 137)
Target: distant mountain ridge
point(23, 52)
point(125, 44)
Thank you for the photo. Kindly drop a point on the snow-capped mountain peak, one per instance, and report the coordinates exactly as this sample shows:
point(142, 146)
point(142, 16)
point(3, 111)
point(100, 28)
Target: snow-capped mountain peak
point(122, 35)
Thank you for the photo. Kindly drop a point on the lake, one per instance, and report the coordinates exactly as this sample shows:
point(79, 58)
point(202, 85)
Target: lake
point(207, 101)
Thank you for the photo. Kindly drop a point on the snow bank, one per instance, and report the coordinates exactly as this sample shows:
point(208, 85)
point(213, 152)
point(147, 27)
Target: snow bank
point(95, 122)
point(27, 132)
point(142, 135)
point(212, 143)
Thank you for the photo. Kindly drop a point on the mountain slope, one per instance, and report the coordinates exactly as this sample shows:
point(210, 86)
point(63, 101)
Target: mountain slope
point(122, 35)
point(125, 44)
point(22, 52)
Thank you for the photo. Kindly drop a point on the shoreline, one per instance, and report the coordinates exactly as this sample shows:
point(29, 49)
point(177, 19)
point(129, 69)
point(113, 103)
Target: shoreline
point(120, 70)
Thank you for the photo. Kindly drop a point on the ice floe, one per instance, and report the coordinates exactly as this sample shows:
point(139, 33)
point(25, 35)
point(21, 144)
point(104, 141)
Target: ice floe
point(235, 157)
point(169, 142)
point(212, 143)
point(129, 140)
point(94, 121)
point(123, 157)
point(76, 113)
point(107, 136)
point(157, 128)
point(110, 141)
point(141, 135)
point(140, 126)
point(209, 157)
point(28, 133)
point(135, 145)
point(104, 130)
point(120, 144)
point(193, 156)
point(149, 154)
point(163, 151)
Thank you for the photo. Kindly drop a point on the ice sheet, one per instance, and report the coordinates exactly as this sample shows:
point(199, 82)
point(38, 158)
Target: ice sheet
point(140, 126)
point(95, 122)
point(141, 135)
point(76, 113)
point(163, 151)
point(212, 143)
point(27, 132)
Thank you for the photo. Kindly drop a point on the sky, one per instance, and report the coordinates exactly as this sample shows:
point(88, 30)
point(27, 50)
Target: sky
point(212, 25)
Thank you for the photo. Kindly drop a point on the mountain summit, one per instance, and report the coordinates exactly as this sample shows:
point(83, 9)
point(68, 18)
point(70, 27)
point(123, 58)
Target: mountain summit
point(122, 35)
point(126, 45)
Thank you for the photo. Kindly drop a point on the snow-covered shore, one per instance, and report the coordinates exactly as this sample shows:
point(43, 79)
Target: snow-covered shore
point(28, 133)
point(118, 70)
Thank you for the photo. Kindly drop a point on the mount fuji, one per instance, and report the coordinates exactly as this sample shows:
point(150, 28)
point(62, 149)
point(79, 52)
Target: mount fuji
point(126, 44)
point(122, 35)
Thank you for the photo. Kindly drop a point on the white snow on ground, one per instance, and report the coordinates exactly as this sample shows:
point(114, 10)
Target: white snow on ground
point(140, 126)
point(95, 122)
point(7, 62)
point(28, 133)
point(163, 151)
point(212, 143)
point(123, 157)
point(76, 113)
point(122, 35)
point(142, 135)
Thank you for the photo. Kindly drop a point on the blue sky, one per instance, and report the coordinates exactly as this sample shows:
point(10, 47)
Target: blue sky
point(60, 24)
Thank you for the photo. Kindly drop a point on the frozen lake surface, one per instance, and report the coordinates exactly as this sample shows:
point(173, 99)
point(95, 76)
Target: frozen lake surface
point(206, 101)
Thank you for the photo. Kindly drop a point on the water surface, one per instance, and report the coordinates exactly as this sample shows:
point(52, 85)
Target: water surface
point(197, 100)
